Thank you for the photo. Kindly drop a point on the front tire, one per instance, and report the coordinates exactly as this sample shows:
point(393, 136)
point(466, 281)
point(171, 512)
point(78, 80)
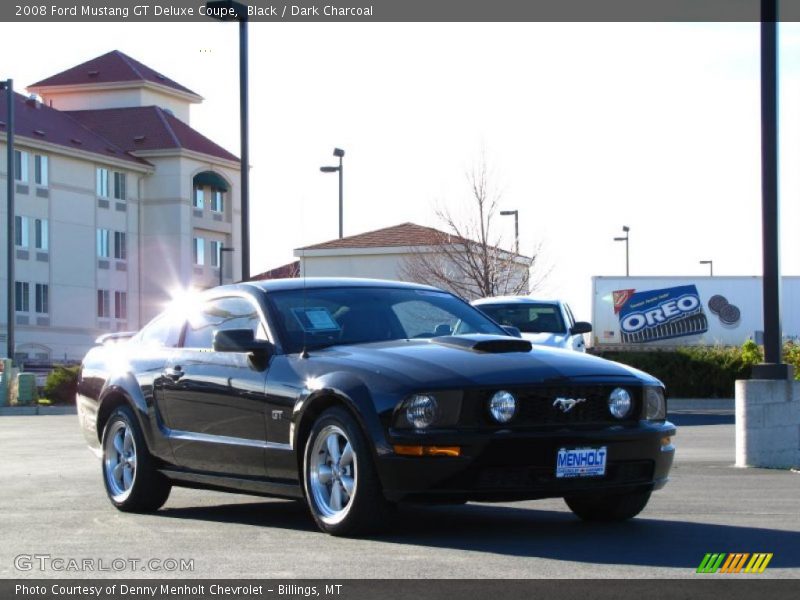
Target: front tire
point(341, 484)
point(129, 474)
point(608, 507)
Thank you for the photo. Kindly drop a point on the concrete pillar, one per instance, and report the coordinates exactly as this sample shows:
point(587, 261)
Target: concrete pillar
point(768, 423)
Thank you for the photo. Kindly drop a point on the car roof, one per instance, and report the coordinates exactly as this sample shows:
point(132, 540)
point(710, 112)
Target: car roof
point(300, 283)
point(513, 300)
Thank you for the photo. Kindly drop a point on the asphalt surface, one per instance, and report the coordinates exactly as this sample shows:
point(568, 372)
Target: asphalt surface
point(53, 503)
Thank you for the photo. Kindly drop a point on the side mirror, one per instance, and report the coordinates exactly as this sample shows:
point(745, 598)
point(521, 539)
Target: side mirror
point(512, 331)
point(580, 327)
point(240, 340)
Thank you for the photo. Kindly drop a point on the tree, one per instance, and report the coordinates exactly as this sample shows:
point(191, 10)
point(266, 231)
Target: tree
point(466, 258)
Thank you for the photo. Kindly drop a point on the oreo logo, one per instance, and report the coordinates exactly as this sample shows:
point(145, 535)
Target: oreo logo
point(729, 314)
point(648, 316)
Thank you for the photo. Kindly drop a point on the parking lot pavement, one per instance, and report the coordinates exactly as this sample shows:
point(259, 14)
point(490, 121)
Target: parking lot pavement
point(53, 503)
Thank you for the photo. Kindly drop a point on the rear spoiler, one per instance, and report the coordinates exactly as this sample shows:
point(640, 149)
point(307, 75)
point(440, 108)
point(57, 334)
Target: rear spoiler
point(113, 338)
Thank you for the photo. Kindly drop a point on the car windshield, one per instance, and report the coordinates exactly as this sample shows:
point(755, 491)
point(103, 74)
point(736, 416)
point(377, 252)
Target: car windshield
point(319, 317)
point(528, 317)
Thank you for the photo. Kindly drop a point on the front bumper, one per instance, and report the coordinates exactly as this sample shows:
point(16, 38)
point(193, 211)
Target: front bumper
point(509, 465)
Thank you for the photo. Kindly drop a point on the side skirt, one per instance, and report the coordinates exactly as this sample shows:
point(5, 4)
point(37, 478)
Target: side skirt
point(233, 484)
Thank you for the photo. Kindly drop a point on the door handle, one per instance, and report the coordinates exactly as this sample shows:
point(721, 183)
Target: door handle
point(173, 373)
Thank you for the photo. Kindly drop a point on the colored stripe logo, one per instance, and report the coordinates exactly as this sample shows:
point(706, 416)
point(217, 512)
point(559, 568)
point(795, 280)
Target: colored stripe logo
point(734, 562)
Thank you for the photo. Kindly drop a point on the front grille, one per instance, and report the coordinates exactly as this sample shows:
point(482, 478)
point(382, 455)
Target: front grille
point(536, 408)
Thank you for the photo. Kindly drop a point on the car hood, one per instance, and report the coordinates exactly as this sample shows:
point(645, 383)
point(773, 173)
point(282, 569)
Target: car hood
point(556, 340)
point(427, 363)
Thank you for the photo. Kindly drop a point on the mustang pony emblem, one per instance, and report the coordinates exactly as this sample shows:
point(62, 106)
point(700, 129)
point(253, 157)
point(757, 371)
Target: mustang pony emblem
point(567, 404)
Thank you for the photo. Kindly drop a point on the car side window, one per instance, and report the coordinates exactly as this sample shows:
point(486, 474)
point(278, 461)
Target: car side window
point(164, 330)
point(232, 312)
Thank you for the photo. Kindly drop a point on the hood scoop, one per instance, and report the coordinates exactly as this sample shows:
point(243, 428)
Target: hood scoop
point(493, 344)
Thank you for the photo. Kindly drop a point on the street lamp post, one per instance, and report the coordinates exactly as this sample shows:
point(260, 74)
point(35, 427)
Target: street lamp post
point(627, 230)
point(515, 213)
point(338, 152)
point(710, 264)
point(230, 10)
point(222, 250)
point(8, 86)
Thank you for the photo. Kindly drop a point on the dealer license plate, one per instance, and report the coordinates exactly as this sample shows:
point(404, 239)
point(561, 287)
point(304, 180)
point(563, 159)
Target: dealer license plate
point(581, 462)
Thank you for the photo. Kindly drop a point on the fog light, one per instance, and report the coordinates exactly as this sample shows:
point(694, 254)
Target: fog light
point(421, 410)
point(503, 406)
point(654, 403)
point(619, 403)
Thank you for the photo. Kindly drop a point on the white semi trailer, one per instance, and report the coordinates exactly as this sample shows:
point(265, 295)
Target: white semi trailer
point(666, 312)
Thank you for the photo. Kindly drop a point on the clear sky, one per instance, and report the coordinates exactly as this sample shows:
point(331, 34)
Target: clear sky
point(587, 127)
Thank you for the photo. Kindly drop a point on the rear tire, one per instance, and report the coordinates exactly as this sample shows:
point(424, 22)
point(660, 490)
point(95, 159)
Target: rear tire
point(341, 484)
point(133, 483)
point(608, 507)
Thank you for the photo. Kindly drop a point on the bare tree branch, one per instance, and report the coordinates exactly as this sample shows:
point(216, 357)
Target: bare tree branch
point(466, 258)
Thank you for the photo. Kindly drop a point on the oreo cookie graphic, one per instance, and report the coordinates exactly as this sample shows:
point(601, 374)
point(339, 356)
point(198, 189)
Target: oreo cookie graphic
point(729, 314)
point(662, 314)
point(716, 303)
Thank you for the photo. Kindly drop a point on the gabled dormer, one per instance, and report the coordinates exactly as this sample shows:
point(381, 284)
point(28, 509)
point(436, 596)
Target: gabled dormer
point(115, 80)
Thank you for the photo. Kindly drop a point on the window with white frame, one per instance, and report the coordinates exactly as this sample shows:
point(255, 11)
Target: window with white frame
point(120, 182)
point(21, 234)
point(199, 251)
point(102, 182)
point(21, 166)
point(120, 245)
point(197, 200)
point(41, 231)
point(22, 296)
point(120, 305)
point(216, 253)
point(103, 243)
point(103, 304)
point(42, 298)
point(217, 201)
point(40, 170)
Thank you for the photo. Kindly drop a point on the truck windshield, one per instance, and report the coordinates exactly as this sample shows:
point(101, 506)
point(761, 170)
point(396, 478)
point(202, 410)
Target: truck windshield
point(528, 318)
point(320, 317)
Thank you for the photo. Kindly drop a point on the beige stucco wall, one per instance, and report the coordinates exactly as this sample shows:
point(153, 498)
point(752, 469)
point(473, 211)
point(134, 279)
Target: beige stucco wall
point(116, 98)
point(158, 220)
point(378, 263)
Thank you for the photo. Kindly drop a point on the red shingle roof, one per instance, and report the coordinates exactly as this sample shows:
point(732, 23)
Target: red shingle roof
point(112, 67)
point(287, 271)
point(40, 122)
point(405, 234)
point(148, 128)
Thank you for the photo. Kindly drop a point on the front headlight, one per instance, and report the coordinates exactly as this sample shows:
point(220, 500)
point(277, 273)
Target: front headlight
point(502, 406)
point(421, 410)
point(655, 407)
point(619, 403)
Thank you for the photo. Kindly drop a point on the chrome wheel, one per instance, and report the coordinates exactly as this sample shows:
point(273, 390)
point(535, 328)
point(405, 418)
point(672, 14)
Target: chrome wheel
point(119, 460)
point(333, 474)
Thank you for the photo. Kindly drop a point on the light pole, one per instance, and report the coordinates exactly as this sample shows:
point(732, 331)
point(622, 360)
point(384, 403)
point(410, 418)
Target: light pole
point(627, 230)
point(222, 250)
point(710, 264)
point(230, 10)
point(340, 169)
point(508, 213)
point(8, 86)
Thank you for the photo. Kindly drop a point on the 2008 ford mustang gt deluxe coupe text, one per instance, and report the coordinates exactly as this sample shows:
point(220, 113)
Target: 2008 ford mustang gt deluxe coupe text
point(358, 394)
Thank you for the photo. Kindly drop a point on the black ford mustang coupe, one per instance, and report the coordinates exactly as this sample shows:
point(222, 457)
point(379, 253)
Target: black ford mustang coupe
point(359, 394)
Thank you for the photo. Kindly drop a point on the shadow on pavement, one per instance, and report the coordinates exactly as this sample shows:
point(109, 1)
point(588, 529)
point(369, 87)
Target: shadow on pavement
point(535, 533)
point(686, 419)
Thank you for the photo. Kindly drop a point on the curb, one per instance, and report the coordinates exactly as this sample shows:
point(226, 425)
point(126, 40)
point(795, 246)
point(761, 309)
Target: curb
point(28, 411)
